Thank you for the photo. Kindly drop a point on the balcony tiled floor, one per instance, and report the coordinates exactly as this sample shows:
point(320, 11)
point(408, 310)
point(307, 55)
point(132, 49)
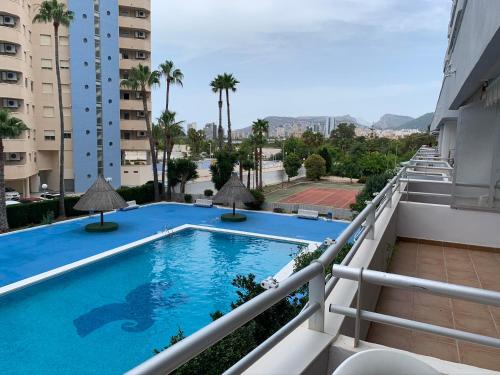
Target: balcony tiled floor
point(474, 268)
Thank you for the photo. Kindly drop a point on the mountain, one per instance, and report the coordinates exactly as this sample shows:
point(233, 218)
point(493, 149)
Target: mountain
point(390, 121)
point(420, 123)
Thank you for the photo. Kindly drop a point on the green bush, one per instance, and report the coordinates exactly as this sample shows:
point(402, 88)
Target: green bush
point(208, 193)
point(315, 167)
point(188, 198)
point(259, 197)
point(278, 210)
point(22, 215)
point(374, 184)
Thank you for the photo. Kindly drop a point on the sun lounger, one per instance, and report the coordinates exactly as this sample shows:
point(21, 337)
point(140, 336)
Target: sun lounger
point(204, 203)
point(308, 214)
point(131, 205)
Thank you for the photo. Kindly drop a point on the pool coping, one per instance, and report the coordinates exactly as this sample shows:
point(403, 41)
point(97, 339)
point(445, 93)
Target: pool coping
point(286, 271)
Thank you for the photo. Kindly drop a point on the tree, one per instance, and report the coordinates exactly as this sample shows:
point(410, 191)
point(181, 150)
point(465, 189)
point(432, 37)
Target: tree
point(229, 83)
point(222, 168)
point(244, 154)
point(173, 76)
point(217, 87)
point(259, 130)
point(195, 139)
point(373, 163)
point(51, 11)
point(181, 171)
point(292, 165)
point(325, 154)
point(10, 127)
point(343, 135)
point(315, 167)
point(296, 146)
point(172, 130)
point(312, 140)
point(142, 79)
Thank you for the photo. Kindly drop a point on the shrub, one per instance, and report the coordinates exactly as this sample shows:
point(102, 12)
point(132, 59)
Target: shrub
point(278, 210)
point(223, 167)
point(315, 167)
point(188, 198)
point(374, 184)
point(208, 193)
point(48, 218)
point(141, 194)
point(292, 165)
point(259, 197)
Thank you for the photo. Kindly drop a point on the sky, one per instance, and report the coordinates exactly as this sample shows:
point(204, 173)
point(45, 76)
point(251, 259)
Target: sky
point(296, 57)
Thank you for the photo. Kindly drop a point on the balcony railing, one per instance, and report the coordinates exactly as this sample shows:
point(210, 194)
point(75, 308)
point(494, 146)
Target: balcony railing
point(361, 228)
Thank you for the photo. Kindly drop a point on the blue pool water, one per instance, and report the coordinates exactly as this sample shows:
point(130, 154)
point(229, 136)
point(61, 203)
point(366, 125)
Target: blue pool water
point(27, 253)
point(109, 316)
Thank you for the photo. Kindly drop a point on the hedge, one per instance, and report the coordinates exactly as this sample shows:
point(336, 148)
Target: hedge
point(22, 215)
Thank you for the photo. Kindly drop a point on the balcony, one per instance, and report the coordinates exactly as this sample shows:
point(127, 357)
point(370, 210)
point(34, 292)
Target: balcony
point(135, 44)
point(127, 64)
point(419, 277)
point(132, 124)
point(132, 105)
point(138, 4)
point(135, 23)
point(134, 144)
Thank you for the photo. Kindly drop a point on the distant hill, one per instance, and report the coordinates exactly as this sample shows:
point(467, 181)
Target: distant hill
point(420, 123)
point(390, 121)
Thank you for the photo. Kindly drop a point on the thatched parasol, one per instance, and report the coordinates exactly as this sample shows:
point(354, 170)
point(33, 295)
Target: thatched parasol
point(100, 197)
point(233, 191)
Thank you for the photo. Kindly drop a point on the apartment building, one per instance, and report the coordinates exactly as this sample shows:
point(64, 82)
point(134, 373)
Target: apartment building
point(419, 290)
point(104, 125)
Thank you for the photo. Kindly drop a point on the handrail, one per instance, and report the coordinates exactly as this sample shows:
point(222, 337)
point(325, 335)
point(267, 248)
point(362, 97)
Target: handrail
point(361, 275)
point(180, 353)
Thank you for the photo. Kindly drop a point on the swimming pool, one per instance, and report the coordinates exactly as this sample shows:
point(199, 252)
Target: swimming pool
point(106, 317)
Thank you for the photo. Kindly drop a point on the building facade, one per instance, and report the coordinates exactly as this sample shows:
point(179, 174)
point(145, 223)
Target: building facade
point(105, 39)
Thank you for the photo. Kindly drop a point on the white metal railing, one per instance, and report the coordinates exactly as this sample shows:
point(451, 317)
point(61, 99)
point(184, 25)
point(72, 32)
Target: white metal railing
point(361, 275)
point(361, 228)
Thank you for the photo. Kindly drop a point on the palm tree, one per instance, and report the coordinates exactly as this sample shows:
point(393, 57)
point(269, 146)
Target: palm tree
point(259, 129)
point(173, 76)
point(10, 127)
point(229, 83)
point(171, 131)
point(55, 12)
point(141, 79)
point(217, 86)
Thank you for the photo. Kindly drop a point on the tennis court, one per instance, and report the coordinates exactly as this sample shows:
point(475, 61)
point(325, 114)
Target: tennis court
point(338, 198)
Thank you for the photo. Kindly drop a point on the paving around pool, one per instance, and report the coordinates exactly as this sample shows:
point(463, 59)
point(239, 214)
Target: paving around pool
point(110, 298)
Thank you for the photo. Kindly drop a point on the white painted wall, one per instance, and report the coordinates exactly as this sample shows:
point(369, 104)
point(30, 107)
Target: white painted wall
point(442, 223)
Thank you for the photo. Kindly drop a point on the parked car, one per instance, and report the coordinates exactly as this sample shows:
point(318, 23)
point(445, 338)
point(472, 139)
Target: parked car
point(11, 194)
point(50, 195)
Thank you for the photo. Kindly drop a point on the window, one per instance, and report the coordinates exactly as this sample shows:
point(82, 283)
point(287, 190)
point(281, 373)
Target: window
point(63, 41)
point(64, 64)
point(65, 88)
point(126, 96)
point(67, 135)
point(67, 113)
point(46, 64)
point(48, 111)
point(45, 40)
point(49, 135)
point(126, 115)
point(47, 88)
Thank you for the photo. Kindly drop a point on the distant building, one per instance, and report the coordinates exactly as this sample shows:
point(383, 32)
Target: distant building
point(210, 131)
point(192, 125)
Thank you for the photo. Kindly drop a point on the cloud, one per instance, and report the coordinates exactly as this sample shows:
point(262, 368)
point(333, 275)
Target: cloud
point(198, 27)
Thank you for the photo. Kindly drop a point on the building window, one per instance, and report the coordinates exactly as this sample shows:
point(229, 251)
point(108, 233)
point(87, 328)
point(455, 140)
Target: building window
point(85, 40)
point(46, 64)
point(48, 112)
point(88, 154)
point(47, 88)
point(63, 41)
point(64, 64)
point(87, 109)
point(126, 96)
point(45, 40)
point(67, 112)
point(84, 16)
point(126, 115)
point(67, 135)
point(49, 135)
point(85, 63)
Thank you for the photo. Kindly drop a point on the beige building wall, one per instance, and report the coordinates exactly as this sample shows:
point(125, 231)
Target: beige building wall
point(28, 88)
point(135, 48)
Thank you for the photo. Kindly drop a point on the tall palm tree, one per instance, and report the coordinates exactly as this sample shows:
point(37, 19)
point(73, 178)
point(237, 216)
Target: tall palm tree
point(142, 79)
point(52, 11)
point(172, 130)
point(229, 83)
point(217, 86)
point(260, 128)
point(173, 76)
point(10, 127)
